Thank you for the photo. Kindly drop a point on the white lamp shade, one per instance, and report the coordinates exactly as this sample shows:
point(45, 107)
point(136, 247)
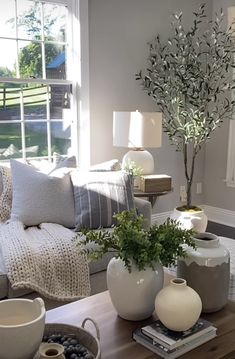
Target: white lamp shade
point(137, 129)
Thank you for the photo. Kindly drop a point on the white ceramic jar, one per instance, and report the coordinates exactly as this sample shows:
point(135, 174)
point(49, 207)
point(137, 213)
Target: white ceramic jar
point(207, 270)
point(191, 219)
point(133, 293)
point(51, 351)
point(178, 306)
point(22, 323)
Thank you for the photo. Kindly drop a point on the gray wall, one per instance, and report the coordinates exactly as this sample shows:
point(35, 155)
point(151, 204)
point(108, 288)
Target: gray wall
point(118, 34)
point(217, 194)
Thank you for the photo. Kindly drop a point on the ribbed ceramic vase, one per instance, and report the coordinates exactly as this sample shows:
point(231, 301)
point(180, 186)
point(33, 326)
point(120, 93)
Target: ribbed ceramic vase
point(207, 270)
point(178, 306)
point(133, 293)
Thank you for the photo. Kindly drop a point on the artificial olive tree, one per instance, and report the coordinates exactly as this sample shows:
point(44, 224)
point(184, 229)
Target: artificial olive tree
point(189, 78)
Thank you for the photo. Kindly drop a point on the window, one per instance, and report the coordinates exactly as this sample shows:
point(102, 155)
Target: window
point(38, 82)
point(230, 175)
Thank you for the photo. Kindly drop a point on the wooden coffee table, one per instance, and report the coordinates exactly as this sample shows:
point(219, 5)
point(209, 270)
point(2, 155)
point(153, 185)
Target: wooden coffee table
point(116, 333)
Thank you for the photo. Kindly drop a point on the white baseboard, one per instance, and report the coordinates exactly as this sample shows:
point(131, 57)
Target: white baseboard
point(159, 218)
point(214, 214)
point(220, 215)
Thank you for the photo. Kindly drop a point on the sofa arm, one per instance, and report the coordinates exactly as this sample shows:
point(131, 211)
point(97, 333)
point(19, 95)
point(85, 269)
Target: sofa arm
point(144, 207)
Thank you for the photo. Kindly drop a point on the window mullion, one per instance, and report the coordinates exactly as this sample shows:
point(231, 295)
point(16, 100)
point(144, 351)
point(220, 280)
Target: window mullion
point(22, 124)
point(48, 124)
point(43, 43)
point(17, 41)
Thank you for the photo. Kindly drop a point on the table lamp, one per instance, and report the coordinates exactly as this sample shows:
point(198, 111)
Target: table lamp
point(138, 130)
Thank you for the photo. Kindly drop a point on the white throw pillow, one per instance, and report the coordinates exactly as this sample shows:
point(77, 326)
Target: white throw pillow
point(38, 197)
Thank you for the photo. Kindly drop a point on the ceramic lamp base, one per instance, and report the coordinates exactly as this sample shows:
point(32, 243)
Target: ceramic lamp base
point(142, 159)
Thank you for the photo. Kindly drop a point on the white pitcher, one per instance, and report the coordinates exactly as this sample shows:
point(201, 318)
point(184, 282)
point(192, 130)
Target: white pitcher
point(22, 323)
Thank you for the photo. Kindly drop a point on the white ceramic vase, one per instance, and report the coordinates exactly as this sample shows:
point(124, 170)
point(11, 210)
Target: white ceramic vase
point(51, 351)
point(133, 293)
point(207, 270)
point(188, 220)
point(178, 306)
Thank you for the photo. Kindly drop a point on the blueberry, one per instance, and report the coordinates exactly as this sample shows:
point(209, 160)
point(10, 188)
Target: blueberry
point(89, 356)
point(73, 356)
point(74, 341)
point(65, 343)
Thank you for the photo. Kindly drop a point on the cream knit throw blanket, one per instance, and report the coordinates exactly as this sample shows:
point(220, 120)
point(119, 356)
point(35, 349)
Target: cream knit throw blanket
point(45, 259)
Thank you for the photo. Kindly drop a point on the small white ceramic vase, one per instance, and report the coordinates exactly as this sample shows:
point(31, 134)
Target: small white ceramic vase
point(188, 220)
point(178, 306)
point(22, 323)
point(133, 293)
point(51, 350)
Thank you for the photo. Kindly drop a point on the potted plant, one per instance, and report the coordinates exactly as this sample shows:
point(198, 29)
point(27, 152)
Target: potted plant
point(135, 171)
point(135, 274)
point(189, 78)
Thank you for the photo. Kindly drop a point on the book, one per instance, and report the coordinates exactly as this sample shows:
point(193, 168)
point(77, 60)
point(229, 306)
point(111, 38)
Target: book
point(172, 339)
point(153, 183)
point(166, 353)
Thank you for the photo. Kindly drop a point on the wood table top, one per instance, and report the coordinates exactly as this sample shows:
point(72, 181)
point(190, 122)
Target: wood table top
point(116, 333)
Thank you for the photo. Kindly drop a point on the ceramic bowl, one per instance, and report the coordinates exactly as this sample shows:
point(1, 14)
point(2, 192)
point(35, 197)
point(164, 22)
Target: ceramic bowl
point(22, 323)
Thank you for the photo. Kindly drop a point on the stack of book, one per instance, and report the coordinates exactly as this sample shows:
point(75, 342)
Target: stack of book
point(170, 344)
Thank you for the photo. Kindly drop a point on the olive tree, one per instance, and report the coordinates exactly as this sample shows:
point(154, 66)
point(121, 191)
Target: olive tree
point(189, 78)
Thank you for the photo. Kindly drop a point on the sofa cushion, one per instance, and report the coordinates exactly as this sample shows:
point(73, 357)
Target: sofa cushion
point(99, 195)
point(6, 193)
point(38, 197)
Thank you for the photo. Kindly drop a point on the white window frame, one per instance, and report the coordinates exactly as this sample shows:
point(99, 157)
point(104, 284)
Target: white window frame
point(230, 175)
point(78, 73)
point(230, 172)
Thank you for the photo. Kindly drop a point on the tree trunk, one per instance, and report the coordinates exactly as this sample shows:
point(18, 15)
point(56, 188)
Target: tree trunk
point(189, 172)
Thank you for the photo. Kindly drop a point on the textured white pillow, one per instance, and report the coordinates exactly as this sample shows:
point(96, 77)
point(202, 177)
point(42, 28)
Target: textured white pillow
point(38, 197)
point(6, 193)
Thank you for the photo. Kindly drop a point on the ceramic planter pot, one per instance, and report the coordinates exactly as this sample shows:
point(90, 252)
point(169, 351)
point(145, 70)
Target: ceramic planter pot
point(178, 306)
point(133, 294)
point(191, 219)
point(207, 270)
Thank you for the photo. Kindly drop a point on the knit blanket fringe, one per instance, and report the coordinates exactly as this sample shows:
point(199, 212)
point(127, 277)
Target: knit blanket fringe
point(45, 259)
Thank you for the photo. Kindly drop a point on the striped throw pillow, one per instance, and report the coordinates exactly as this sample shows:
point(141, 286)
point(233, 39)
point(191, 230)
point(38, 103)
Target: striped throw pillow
point(99, 195)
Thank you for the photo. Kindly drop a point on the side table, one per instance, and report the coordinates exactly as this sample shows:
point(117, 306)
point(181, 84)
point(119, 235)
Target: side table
point(152, 196)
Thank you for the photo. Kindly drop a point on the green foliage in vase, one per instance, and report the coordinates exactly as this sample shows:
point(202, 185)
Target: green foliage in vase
point(134, 244)
point(189, 78)
point(133, 169)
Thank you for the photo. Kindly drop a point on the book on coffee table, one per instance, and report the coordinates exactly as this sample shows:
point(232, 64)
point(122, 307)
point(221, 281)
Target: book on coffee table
point(166, 353)
point(172, 339)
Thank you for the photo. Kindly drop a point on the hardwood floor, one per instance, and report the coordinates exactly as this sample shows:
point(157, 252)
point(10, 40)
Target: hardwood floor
point(221, 230)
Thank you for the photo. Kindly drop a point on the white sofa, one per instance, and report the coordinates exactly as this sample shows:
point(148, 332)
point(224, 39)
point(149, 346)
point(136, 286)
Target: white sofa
point(97, 269)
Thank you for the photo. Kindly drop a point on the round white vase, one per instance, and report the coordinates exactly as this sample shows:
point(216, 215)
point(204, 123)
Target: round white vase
point(191, 219)
point(207, 270)
point(133, 293)
point(178, 306)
